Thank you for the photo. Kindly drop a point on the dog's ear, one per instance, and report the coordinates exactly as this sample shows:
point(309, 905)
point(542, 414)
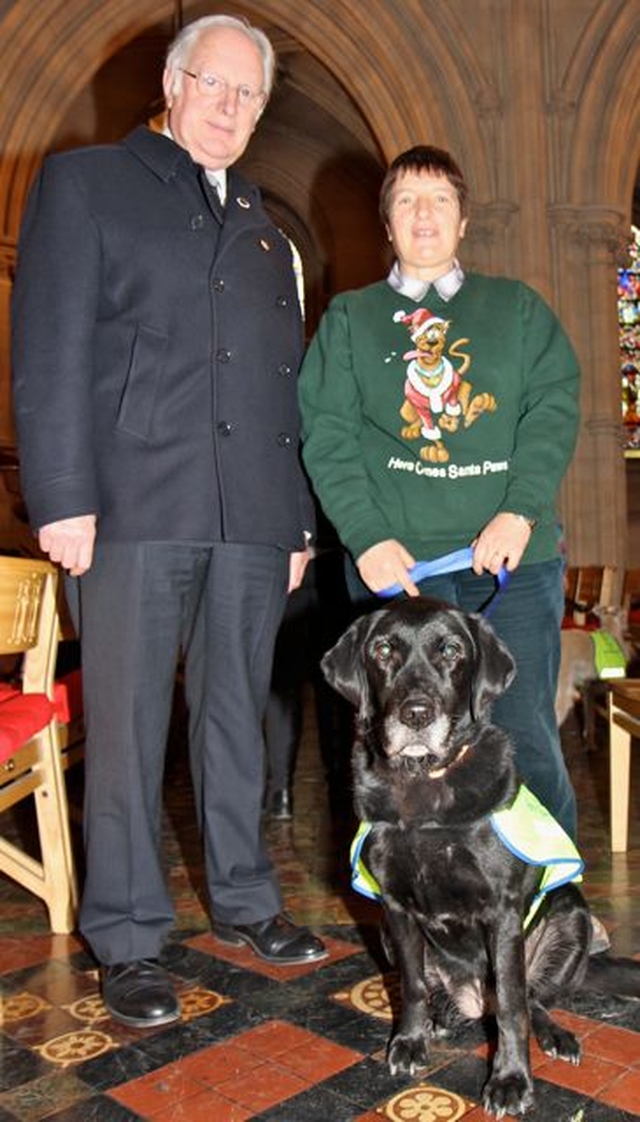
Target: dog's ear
point(495, 669)
point(343, 665)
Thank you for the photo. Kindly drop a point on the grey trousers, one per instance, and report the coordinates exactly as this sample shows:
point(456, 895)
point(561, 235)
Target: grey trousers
point(139, 607)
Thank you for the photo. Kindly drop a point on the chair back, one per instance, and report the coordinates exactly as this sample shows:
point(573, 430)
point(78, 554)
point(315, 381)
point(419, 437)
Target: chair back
point(28, 621)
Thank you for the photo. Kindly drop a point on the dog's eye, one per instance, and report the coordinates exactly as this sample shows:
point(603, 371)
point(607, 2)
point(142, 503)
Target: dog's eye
point(451, 650)
point(382, 650)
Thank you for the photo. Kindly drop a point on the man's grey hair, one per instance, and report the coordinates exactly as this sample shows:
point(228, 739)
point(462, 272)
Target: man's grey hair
point(180, 48)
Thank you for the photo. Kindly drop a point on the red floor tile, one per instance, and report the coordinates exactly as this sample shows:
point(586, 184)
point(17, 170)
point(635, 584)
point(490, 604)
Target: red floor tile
point(207, 1106)
point(29, 950)
point(275, 1039)
point(320, 1060)
point(244, 956)
point(615, 1044)
point(219, 1062)
point(268, 1085)
point(624, 1093)
point(158, 1091)
point(590, 1076)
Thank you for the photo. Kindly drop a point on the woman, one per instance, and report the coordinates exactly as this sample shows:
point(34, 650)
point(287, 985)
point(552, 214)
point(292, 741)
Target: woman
point(440, 411)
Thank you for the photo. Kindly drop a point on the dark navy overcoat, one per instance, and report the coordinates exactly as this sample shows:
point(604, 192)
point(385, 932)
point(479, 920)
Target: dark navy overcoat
point(156, 352)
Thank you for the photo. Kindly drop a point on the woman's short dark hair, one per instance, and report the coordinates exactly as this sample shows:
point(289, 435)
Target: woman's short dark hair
point(424, 158)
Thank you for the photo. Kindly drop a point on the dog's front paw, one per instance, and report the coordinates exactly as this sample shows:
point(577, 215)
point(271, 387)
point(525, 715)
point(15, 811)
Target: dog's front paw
point(555, 1040)
point(407, 1055)
point(559, 1043)
point(508, 1094)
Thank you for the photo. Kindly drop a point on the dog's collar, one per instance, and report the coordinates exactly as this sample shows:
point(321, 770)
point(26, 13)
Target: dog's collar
point(438, 772)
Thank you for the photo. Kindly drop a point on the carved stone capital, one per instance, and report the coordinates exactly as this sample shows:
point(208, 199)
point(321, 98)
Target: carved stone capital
point(597, 230)
point(491, 220)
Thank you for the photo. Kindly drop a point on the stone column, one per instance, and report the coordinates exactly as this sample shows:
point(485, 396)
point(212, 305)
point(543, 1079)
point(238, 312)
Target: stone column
point(587, 247)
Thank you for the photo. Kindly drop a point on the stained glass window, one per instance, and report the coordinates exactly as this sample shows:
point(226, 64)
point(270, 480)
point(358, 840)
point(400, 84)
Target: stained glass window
point(629, 327)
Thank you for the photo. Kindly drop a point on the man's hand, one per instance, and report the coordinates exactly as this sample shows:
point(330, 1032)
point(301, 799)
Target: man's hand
point(385, 564)
point(297, 565)
point(70, 542)
point(502, 542)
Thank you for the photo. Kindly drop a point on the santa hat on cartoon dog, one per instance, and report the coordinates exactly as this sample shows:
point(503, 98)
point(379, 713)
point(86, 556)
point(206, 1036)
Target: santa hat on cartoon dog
point(417, 322)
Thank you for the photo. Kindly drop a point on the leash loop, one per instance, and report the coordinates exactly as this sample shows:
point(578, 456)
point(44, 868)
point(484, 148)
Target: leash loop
point(448, 563)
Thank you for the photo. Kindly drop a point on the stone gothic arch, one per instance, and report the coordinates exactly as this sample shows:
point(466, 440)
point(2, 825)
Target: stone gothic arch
point(541, 103)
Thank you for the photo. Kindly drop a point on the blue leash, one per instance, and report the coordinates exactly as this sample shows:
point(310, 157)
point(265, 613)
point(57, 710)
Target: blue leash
point(448, 563)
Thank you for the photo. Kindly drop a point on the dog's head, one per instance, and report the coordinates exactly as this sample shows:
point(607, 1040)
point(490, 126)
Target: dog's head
point(420, 674)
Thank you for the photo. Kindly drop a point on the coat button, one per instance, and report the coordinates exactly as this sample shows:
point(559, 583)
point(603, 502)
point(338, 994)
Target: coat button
point(196, 221)
point(224, 428)
point(282, 302)
point(223, 355)
point(284, 369)
point(218, 284)
point(284, 440)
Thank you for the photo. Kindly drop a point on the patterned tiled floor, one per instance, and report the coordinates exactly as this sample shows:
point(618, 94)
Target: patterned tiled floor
point(293, 1045)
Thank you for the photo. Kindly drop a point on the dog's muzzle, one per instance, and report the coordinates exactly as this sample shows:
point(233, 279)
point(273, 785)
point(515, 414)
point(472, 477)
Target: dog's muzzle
point(416, 733)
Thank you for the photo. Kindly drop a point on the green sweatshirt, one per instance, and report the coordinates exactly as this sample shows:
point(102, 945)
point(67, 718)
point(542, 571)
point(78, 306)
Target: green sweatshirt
point(421, 421)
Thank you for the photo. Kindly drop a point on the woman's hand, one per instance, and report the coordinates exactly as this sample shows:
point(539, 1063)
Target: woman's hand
point(385, 564)
point(502, 542)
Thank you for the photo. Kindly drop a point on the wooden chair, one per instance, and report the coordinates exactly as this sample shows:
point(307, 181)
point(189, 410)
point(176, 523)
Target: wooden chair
point(624, 726)
point(585, 587)
point(30, 751)
point(588, 587)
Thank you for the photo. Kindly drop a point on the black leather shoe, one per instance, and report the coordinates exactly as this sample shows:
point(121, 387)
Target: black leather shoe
point(276, 940)
point(279, 805)
point(139, 993)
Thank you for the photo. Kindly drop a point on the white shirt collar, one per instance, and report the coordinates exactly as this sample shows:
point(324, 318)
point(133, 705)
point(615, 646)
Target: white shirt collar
point(218, 179)
point(446, 286)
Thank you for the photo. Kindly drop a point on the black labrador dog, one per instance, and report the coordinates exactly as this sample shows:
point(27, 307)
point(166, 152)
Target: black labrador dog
point(430, 771)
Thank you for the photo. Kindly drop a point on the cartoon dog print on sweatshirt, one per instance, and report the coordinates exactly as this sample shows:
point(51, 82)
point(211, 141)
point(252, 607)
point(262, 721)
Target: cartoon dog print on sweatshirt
point(438, 398)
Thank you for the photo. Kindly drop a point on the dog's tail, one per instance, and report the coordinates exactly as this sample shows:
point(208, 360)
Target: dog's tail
point(606, 974)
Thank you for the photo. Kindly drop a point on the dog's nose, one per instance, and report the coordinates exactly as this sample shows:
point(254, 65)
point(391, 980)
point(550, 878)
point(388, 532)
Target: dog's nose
point(414, 713)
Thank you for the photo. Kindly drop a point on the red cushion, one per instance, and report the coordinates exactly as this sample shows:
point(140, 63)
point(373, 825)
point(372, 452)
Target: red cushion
point(67, 697)
point(21, 717)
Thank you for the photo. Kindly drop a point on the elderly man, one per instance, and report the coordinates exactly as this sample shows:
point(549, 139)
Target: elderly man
point(157, 338)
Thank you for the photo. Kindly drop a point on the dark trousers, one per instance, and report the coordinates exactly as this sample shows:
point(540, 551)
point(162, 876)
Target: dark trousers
point(315, 616)
point(141, 606)
point(527, 618)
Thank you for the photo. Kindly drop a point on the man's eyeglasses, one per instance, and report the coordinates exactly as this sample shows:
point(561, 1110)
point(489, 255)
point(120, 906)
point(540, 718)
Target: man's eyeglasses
point(210, 85)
